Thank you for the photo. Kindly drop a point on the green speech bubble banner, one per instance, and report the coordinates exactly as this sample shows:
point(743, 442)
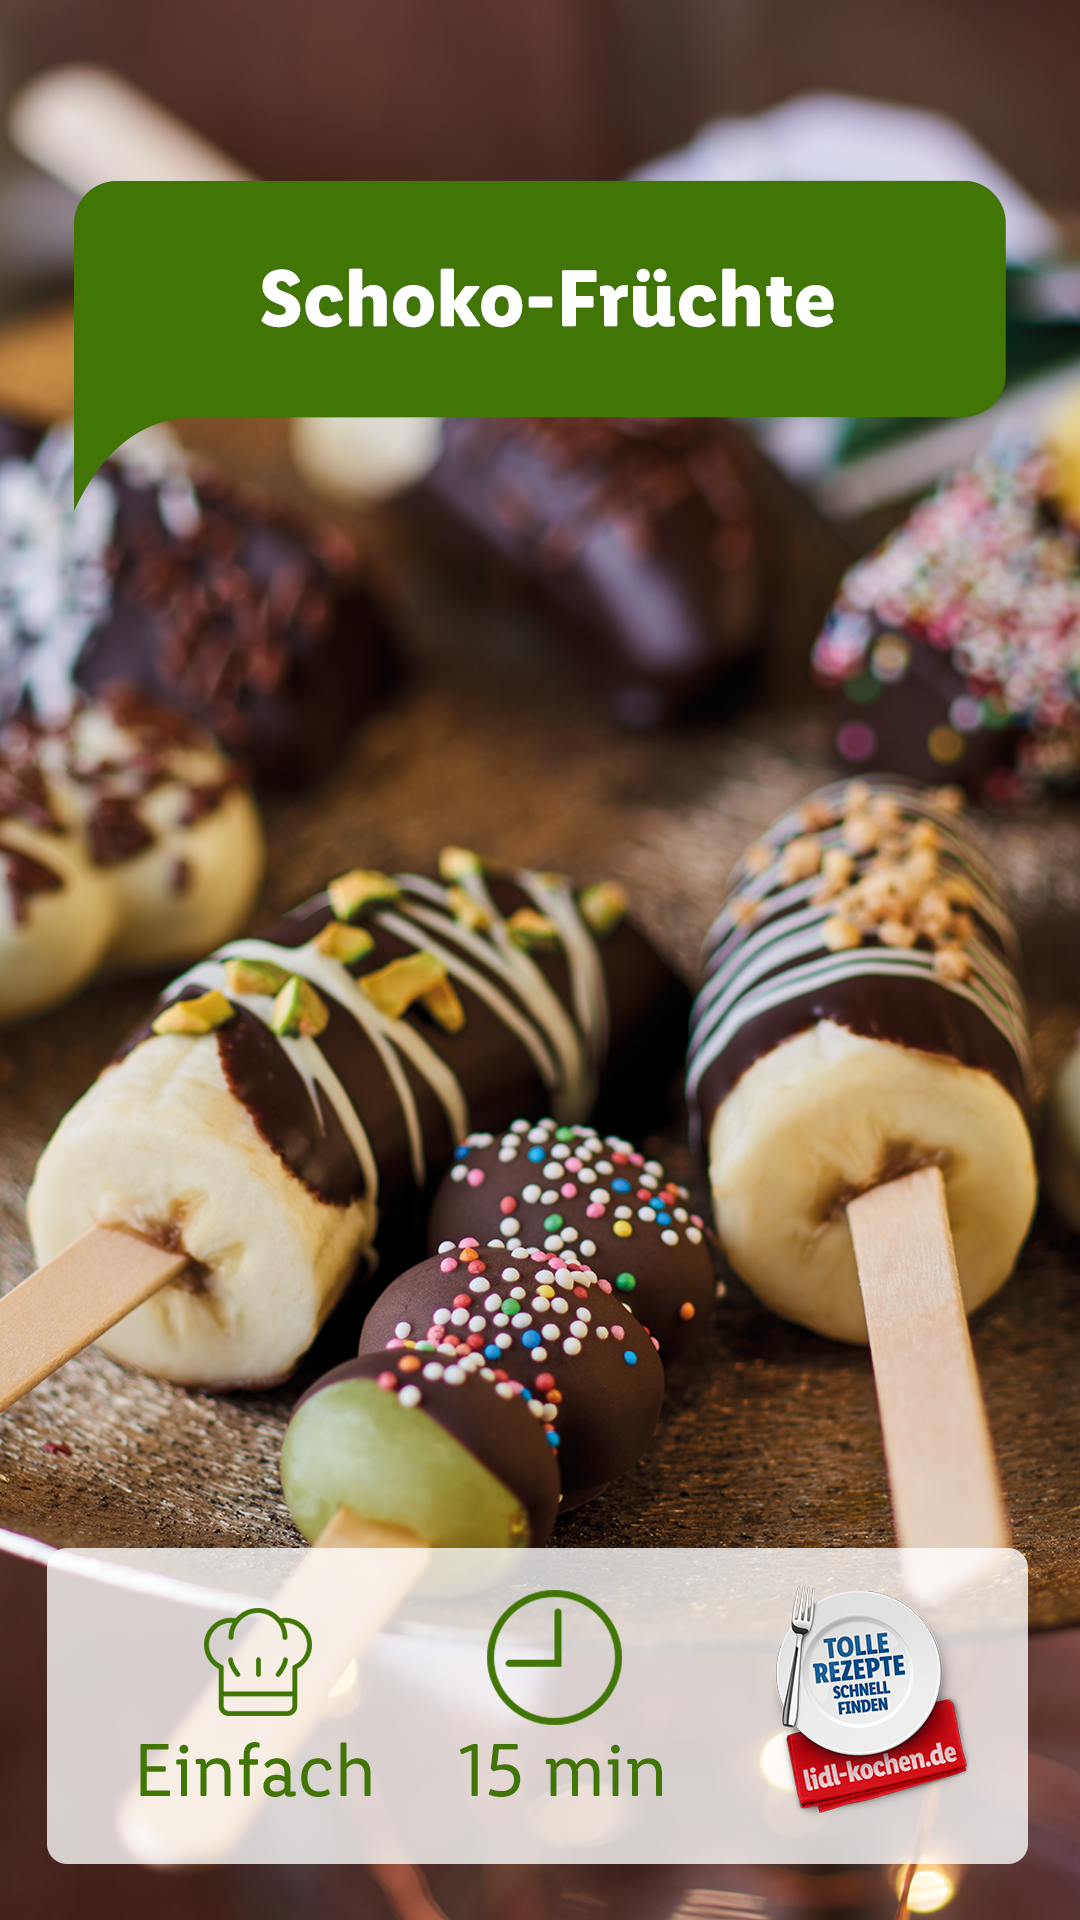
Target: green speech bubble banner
point(493, 297)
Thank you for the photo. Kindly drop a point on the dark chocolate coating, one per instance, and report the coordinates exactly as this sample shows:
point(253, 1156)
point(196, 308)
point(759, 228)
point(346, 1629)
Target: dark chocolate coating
point(914, 1010)
point(248, 627)
point(673, 1285)
point(25, 877)
point(903, 714)
point(609, 1408)
point(916, 1014)
point(648, 1007)
point(502, 1434)
point(637, 535)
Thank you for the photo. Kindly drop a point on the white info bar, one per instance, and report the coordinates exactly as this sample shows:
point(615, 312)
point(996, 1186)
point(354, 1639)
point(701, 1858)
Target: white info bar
point(550, 1706)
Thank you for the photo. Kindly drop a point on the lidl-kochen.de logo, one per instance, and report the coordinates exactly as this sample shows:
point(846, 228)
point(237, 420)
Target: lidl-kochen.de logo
point(257, 1670)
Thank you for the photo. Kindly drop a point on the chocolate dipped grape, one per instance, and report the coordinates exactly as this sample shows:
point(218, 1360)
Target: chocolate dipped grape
point(541, 1326)
point(568, 1189)
point(398, 1439)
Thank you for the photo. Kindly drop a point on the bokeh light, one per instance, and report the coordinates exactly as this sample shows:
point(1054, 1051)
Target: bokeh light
point(931, 1889)
point(775, 1763)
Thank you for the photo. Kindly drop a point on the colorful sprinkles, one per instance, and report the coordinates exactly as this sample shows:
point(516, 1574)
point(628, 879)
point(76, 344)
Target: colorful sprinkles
point(987, 572)
point(479, 1328)
point(618, 1184)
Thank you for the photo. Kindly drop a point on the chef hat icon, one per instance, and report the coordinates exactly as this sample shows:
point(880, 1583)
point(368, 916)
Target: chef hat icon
point(257, 1668)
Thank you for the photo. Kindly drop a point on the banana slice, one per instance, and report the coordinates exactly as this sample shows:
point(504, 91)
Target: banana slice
point(194, 887)
point(57, 917)
point(164, 815)
point(161, 1145)
point(827, 1115)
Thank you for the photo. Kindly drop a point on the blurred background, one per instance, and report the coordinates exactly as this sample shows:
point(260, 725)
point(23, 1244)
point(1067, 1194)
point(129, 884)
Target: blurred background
point(596, 89)
point(556, 88)
point(560, 89)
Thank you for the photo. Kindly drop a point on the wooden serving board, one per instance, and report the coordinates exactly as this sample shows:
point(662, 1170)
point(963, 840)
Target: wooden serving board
point(770, 1435)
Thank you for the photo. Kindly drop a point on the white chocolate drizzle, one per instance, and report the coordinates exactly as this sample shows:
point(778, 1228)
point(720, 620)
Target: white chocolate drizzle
point(567, 1056)
point(551, 894)
point(308, 1059)
point(417, 936)
point(576, 1090)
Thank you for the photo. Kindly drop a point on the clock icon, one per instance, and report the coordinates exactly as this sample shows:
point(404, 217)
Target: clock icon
point(582, 1655)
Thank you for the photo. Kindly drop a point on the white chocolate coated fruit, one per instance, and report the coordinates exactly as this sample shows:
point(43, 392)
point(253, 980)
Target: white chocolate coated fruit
point(828, 1114)
point(1063, 1140)
point(61, 936)
point(195, 884)
point(222, 855)
point(160, 1144)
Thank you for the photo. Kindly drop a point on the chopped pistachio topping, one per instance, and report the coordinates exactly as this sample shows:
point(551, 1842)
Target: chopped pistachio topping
point(200, 1015)
point(444, 1006)
point(467, 911)
point(298, 1009)
point(342, 942)
point(528, 928)
point(254, 976)
point(393, 988)
point(351, 892)
point(603, 906)
point(456, 862)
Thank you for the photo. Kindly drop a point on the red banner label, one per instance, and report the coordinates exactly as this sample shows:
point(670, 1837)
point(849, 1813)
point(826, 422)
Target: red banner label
point(824, 1779)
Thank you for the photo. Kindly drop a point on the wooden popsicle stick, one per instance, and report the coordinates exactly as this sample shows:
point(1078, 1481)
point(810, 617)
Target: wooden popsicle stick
point(942, 1471)
point(73, 1299)
point(347, 1529)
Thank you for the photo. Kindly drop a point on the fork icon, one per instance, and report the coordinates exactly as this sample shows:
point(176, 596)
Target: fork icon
point(802, 1619)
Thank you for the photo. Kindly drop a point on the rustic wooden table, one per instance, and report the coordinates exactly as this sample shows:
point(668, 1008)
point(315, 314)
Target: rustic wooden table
point(769, 1435)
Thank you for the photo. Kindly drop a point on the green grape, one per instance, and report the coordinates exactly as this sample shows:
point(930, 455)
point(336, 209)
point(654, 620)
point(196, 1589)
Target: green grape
point(356, 1446)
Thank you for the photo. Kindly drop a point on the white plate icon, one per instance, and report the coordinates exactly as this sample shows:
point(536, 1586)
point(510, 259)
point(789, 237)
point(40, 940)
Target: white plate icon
point(870, 1673)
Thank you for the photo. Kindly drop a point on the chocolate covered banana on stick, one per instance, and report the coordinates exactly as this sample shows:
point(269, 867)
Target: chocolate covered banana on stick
point(127, 839)
point(294, 1088)
point(857, 1068)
